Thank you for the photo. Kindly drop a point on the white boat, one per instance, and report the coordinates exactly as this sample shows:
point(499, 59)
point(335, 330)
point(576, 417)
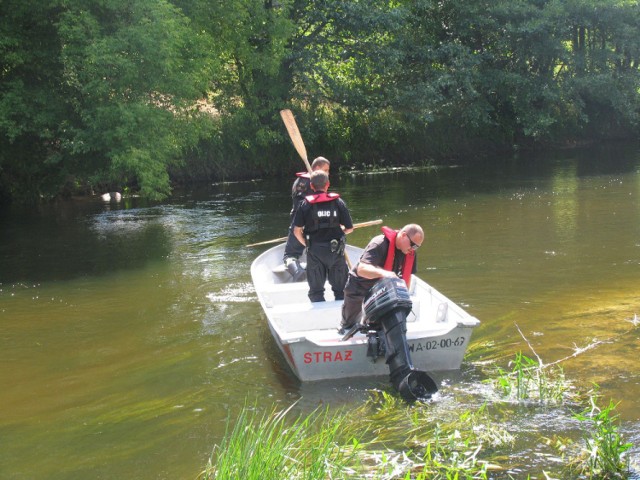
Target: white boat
point(438, 330)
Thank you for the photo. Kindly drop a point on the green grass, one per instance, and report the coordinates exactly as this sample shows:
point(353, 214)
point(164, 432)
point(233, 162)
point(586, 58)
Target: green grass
point(354, 445)
point(267, 446)
point(384, 438)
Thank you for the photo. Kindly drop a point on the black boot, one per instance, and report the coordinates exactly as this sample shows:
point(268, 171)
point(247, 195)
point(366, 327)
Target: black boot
point(295, 269)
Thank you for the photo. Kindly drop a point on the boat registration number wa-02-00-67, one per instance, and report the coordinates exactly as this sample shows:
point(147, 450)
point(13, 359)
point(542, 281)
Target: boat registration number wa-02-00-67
point(441, 344)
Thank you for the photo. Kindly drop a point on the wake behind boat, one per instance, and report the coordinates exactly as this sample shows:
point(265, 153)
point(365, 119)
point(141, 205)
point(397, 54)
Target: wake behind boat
point(438, 330)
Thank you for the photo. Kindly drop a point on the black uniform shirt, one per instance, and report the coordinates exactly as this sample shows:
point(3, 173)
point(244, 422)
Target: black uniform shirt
point(301, 188)
point(306, 217)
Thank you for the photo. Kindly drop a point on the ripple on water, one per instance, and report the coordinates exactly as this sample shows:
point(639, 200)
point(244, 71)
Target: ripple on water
point(234, 293)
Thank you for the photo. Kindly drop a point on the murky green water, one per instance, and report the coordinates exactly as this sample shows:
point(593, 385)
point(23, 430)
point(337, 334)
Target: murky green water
point(128, 334)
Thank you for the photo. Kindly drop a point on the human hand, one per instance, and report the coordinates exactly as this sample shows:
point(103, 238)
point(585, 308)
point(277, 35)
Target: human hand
point(388, 274)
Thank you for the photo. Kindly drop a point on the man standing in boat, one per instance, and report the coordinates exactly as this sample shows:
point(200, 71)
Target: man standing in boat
point(388, 255)
point(299, 190)
point(321, 224)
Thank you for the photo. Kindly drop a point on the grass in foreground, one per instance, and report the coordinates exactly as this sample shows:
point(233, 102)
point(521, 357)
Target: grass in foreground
point(387, 439)
point(271, 446)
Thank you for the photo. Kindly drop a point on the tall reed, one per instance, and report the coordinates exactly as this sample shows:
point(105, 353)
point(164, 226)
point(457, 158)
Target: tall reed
point(270, 447)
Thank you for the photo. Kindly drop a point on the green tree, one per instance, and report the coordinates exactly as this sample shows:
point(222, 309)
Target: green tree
point(518, 71)
point(602, 68)
point(104, 93)
point(98, 93)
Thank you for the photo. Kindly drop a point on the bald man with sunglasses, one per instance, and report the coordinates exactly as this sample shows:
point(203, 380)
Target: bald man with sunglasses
point(392, 254)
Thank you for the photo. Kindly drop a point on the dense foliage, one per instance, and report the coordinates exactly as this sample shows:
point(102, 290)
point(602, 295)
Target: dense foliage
point(113, 94)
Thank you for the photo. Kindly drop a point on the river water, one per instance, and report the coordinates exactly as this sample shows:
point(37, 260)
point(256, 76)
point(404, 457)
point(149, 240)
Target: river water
point(130, 333)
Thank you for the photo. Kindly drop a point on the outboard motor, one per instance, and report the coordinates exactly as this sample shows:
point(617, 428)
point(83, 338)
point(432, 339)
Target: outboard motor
point(386, 307)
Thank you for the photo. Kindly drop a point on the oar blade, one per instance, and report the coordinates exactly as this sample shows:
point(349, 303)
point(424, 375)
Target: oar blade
point(294, 134)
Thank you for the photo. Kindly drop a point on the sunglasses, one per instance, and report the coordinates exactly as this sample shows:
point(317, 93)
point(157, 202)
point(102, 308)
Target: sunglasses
point(414, 246)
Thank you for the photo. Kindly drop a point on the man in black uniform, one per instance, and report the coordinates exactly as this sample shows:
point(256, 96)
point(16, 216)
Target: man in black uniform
point(301, 188)
point(391, 254)
point(318, 225)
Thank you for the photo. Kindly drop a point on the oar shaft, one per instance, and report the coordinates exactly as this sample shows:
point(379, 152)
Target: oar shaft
point(282, 239)
point(367, 224)
point(275, 240)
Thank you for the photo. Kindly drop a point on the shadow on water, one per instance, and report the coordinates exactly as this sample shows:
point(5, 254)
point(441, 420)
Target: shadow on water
point(92, 238)
point(537, 170)
point(63, 242)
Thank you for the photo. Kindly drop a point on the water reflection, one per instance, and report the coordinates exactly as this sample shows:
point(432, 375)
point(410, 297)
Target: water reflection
point(564, 201)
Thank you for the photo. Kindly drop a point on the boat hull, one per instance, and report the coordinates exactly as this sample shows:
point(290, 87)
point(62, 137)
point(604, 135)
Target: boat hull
point(322, 360)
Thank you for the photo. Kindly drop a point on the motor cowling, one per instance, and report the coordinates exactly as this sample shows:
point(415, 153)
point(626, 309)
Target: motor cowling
point(384, 298)
point(386, 307)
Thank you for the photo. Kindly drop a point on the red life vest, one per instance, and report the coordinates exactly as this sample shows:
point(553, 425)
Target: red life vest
point(407, 266)
point(321, 197)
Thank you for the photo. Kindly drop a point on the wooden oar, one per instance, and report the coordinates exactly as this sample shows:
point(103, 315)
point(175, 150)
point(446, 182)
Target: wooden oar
point(282, 239)
point(294, 134)
point(296, 139)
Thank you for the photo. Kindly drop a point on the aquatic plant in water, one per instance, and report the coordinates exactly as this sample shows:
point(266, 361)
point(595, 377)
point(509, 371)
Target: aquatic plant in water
point(533, 381)
point(603, 455)
point(387, 439)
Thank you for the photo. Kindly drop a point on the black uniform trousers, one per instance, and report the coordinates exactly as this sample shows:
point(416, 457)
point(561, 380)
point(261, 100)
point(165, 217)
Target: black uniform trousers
point(323, 264)
point(293, 248)
point(354, 294)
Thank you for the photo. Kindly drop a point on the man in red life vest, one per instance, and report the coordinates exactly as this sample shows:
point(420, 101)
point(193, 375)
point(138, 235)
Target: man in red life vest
point(388, 255)
point(299, 190)
point(321, 224)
